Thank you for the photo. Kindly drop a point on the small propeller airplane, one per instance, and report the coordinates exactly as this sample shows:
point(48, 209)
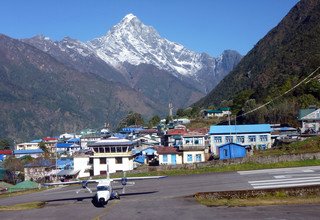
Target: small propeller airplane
point(105, 190)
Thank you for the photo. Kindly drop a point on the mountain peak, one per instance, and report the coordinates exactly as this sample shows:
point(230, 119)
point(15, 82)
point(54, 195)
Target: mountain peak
point(129, 17)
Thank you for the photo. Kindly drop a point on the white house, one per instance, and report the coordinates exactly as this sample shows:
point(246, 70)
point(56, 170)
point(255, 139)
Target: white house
point(27, 146)
point(310, 120)
point(251, 136)
point(168, 155)
point(89, 139)
point(82, 163)
point(193, 147)
point(113, 151)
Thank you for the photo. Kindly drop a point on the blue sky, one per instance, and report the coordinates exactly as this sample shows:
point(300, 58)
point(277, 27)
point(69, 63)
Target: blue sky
point(201, 25)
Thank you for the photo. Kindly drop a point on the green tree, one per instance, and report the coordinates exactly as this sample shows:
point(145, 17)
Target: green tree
point(155, 120)
point(132, 118)
point(180, 112)
point(5, 144)
point(43, 147)
point(14, 166)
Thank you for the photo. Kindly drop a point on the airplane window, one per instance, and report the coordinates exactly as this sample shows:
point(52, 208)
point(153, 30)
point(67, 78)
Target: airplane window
point(102, 188)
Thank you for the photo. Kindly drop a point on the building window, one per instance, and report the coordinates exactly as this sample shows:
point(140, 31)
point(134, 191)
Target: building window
point(103, 160)
point(165, 158)
point(229, 139)
point(118, 160)
point(188, 140)
point(240, 139)
point(252, 138)
point(264, 138)
point(103, 172)
point(218, 139)
point(262, 146)
point(189, 157)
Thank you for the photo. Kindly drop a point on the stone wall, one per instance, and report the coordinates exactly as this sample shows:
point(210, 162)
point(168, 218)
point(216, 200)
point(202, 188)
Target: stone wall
point(262, 160)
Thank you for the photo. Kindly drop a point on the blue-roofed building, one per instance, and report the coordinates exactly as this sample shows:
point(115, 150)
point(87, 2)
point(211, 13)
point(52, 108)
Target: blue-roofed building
point(145, 155)
point(232, 151)
point(36, 141)
point(252, 136)
point(68, 148)
point(33, 153)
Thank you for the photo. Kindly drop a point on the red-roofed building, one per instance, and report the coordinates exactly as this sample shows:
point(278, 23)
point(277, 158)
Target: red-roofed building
point(169, 155)
point(50, 143)
point(173, 137)
point(4, 153)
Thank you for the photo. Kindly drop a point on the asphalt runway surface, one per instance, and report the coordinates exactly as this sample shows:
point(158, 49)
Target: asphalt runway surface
point(171, 198)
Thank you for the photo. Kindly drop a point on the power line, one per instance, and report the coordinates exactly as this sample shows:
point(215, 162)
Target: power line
point(279, 96)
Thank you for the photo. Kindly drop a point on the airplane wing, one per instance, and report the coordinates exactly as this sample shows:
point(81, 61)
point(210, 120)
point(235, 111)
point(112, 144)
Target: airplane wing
point(72, 182)
point(138, 178)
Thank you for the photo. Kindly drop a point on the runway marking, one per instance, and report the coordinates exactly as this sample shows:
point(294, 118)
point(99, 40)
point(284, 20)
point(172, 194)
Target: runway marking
point(287, 182)
point(275, 171)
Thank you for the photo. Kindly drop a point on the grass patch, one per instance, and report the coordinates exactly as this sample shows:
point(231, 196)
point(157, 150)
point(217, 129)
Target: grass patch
point(310, 145)
point(261, 197)
point(224, 168)
point(18, 193)
point(260, 201)
point(23, 206)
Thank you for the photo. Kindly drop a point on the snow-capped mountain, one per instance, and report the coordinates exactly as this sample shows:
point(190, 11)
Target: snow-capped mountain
point(135, 43)
point(131, 49)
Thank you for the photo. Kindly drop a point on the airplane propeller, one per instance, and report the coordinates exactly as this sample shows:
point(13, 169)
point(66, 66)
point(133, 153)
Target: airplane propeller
point(124, 183)
point(84, 185)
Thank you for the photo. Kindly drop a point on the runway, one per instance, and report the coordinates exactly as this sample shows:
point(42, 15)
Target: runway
point(170, 198)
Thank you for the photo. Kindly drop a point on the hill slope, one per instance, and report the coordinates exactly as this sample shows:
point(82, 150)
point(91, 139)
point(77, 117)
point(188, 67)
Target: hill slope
point(285, 56)
point(41, 96)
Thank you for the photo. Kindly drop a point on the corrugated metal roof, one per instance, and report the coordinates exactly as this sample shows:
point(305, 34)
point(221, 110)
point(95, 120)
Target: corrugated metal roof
point(233, 129)
point(68, 172)
point(32, 151)
point(64, 145)
point(24, 185)
point(41, 163)
point(6, 152)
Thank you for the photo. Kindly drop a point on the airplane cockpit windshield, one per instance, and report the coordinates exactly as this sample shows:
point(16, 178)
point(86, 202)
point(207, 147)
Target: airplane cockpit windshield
point(102, 188)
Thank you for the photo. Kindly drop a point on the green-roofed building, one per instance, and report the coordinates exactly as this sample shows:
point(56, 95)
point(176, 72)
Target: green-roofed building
point(310, 120)
point(25, 185)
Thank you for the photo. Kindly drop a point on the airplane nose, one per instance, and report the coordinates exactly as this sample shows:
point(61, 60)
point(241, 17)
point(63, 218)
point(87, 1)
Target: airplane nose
point(101, 200)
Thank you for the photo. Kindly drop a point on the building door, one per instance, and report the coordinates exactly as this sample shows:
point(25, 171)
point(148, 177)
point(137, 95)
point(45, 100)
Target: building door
point(173, 159)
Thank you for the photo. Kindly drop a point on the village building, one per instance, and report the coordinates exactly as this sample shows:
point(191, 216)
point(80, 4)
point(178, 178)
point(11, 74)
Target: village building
point(220, 112)
point(193, 147)
point(28, 146)
point(40, 170)
point(168, 155)
point(115, 152)
point(33, 153)
point(232, 151)
point(50, 143)
point(254, 136)
point(310, 120)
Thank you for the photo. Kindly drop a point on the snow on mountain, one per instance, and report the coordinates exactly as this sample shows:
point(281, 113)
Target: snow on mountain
point(134, 42)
